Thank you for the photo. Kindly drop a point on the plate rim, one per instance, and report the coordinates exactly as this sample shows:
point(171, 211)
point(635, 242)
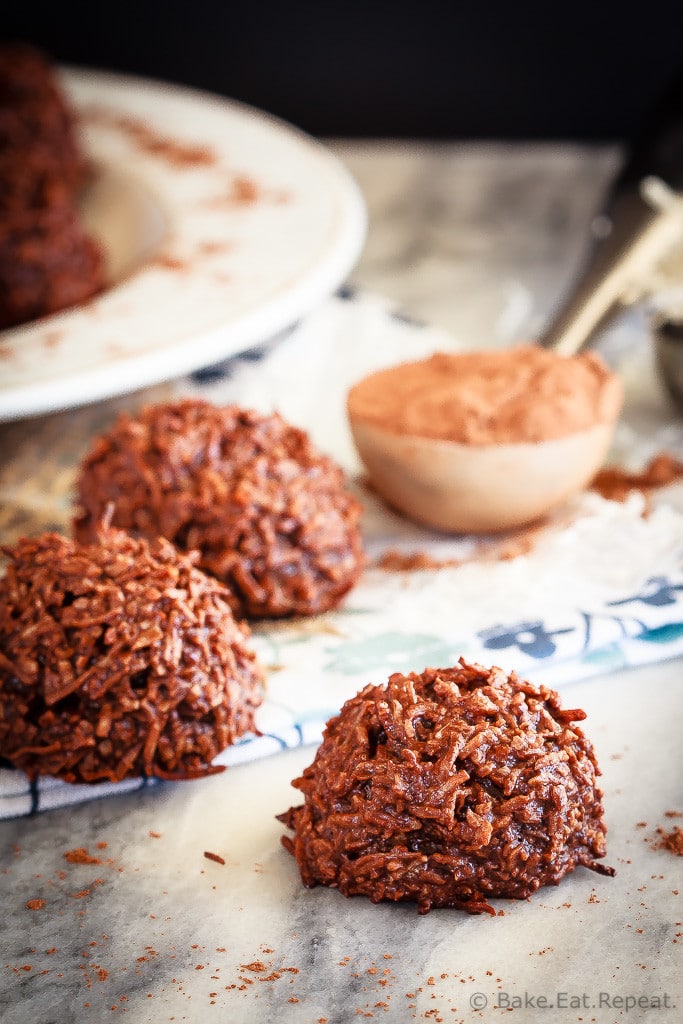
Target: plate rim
point(253, 326)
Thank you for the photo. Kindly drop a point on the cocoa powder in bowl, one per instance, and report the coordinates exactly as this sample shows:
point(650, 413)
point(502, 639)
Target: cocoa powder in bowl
point(484, 441)
point(516, 395)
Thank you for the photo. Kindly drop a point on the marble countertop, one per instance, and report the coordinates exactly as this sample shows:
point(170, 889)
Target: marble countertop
point(481, 240)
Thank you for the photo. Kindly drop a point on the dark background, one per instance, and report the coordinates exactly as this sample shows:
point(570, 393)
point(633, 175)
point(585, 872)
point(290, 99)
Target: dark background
point(510, 70)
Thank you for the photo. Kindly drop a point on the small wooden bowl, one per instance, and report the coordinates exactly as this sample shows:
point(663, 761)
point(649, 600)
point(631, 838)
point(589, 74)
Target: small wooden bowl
point(464, 488)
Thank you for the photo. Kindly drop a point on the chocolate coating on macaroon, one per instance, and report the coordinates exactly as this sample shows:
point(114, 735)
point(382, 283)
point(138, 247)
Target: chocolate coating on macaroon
point(449, 788)
point(37, 126)
point(268, 513)
point(118, 659)
point(47, 263)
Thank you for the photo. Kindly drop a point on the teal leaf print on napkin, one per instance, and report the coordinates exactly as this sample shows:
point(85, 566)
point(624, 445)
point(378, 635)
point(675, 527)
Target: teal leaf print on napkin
point(662, 634)
point(607, 658)
point(396, 652)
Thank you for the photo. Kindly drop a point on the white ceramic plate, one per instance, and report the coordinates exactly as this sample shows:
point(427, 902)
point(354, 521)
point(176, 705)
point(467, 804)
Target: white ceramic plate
point(222, 227)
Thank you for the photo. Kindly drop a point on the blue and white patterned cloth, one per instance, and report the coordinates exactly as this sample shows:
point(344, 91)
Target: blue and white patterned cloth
point(599, 592)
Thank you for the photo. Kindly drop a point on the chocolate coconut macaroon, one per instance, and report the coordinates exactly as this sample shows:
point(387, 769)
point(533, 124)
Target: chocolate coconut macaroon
point(118, 659)
point(37, 127)
point(448, 789)
point(267, 512)
point(47, 263)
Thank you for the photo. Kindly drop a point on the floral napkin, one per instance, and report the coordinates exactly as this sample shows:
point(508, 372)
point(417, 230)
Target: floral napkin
point(599, 590)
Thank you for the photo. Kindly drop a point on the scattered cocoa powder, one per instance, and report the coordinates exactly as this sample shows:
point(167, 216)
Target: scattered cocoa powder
point(671, 840)
point(147, 140)
point(80, 856)
point(519, 543)
point(616, 483)
point(214, 247)
point(51, 339)
point(244, 191)
point(167, 262)
point(393, 560)
point(214, 856)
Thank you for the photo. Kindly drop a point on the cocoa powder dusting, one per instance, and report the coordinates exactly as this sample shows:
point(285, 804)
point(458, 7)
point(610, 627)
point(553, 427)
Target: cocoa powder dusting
point(616, 483)
point(80, 856)
point(671, 840)
point(393, 560)
point(244, 191)
point(167, 262)
point(519, 543)
point(173, 151)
